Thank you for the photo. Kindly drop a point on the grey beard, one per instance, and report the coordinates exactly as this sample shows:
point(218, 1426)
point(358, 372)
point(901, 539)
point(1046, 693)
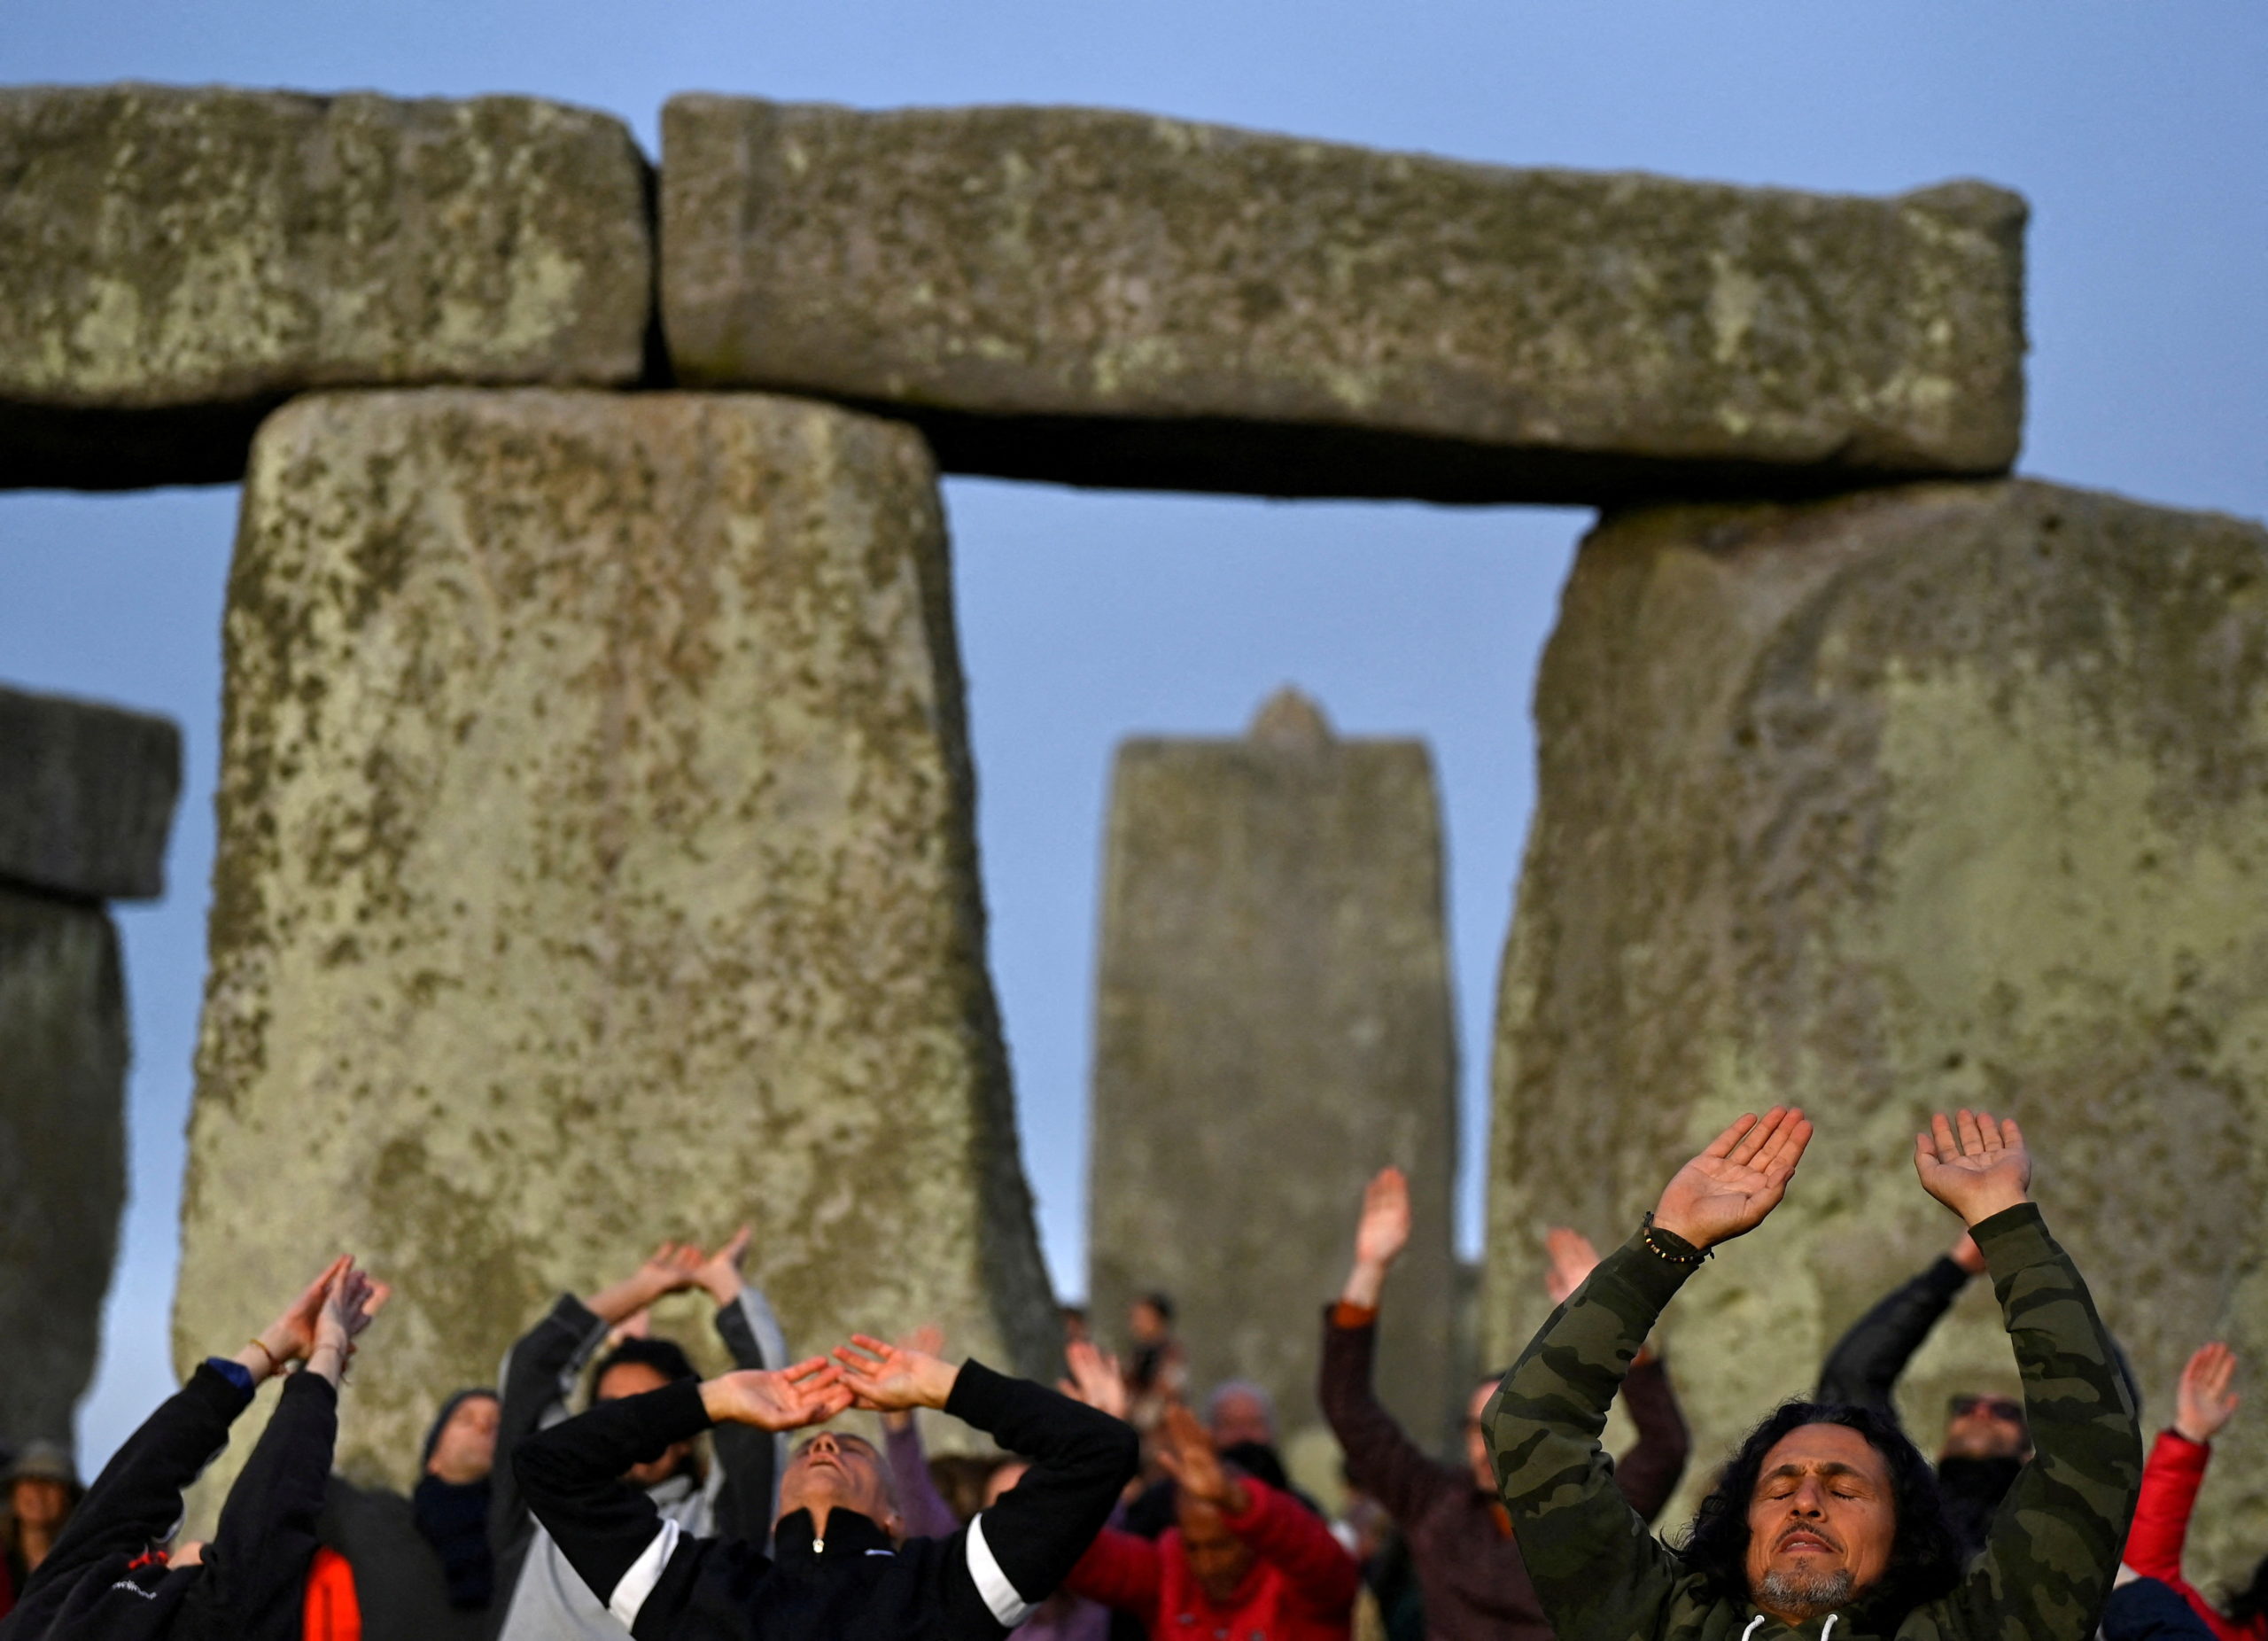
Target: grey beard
point(1804, 1595)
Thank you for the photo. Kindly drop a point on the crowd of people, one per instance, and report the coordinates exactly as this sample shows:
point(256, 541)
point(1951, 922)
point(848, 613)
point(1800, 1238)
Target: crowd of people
point(659, 1504)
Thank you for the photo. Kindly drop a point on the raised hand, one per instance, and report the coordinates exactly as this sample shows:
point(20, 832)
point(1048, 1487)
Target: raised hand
point(810, 1392)
point(1975, 1164)
point(2203, 1402)
point(1726, 1190)
point(720, 1273)
point(669, 1269)
point(1380, 1235)
point(349, 1303)
point(926, 1340)
point(292, 1335)
point(890, 1379)
point(1189, 1458)
point(1095, 1379)
point(1573, 1258)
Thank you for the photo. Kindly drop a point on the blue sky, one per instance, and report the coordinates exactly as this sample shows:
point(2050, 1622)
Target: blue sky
point(2139, 134)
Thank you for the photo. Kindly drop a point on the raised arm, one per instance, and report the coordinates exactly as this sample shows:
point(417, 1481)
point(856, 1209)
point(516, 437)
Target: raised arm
point(1597, 1570)
point(1863, 1368)
point(1381, 1459)
point(2048, 1563)
point(749, 1461)
point(2204, 1401)
point(1013, 1553)
point(135, 1502)
point(538, 1371)
point(256, 1566)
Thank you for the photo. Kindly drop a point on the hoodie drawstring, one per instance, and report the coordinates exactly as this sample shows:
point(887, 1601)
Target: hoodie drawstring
point(1751, 1627)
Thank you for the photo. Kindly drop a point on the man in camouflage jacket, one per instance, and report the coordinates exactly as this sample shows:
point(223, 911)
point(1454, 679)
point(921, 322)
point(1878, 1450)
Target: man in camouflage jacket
point(1814, 1536)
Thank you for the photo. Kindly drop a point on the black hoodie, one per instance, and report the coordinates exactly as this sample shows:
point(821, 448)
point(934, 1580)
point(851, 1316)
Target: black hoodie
point(102, 1581)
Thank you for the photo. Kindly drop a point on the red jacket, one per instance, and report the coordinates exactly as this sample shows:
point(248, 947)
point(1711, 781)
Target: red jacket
point(1301, 1586)
point(2169, 1483)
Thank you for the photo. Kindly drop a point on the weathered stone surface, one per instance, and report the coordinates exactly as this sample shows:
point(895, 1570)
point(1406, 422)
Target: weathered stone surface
point(597, 864)
point(177, 259)
point(1954, 794)
point(62, 1154)
point(1116, 298)
point(1273, 1025)
point(87, 796)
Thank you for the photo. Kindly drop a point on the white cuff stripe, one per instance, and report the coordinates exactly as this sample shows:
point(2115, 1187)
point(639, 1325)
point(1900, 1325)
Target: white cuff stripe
point(1009, 1607)
point(636, 1584)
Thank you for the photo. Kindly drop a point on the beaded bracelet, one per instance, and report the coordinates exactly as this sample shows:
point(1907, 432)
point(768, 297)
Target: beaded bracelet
point(1661, 1252)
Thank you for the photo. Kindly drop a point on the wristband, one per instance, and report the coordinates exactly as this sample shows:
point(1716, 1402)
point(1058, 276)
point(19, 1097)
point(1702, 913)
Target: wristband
point(1662, 1252)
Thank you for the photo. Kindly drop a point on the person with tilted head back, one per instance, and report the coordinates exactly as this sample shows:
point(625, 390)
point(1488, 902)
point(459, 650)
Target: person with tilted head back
point(1826, 1523)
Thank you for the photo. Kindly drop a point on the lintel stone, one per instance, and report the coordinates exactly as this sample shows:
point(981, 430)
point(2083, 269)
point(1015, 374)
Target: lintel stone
point(1103, 298)
point(178, 259)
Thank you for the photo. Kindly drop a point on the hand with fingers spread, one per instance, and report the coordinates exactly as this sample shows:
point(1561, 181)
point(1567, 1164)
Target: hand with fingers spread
point(349, 1303)
point(808, 1392)
point(1974, 1163)
point(1726, 1191)
point(1380, 1235)
point(1573, 1258)
point(1186, 1451)
point(2205, 1400)
point(720, 1274)
point(888, 1379)
point(1095, 1379)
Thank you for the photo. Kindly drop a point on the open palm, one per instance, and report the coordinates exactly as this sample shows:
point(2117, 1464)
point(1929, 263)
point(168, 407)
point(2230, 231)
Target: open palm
point(1726, 1190)
point(1974, 1163)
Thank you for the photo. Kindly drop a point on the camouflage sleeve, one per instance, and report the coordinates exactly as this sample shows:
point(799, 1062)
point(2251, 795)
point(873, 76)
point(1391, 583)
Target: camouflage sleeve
point(2046, 1567)
point(1600, 1574)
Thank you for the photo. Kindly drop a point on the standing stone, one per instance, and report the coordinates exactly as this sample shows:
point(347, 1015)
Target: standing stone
point(1116, 298)
point(62, 1059)
point(178, 259)
point(596, 865)
point(1948, 795)
point(1273, 1025)
point(87, 797)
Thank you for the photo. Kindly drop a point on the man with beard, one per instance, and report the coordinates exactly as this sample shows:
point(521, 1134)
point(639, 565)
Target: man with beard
point(1986, 1442)
point(1826, 1524)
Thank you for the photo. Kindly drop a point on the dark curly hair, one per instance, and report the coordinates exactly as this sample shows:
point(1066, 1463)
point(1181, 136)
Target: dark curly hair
point(1924, 1560)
